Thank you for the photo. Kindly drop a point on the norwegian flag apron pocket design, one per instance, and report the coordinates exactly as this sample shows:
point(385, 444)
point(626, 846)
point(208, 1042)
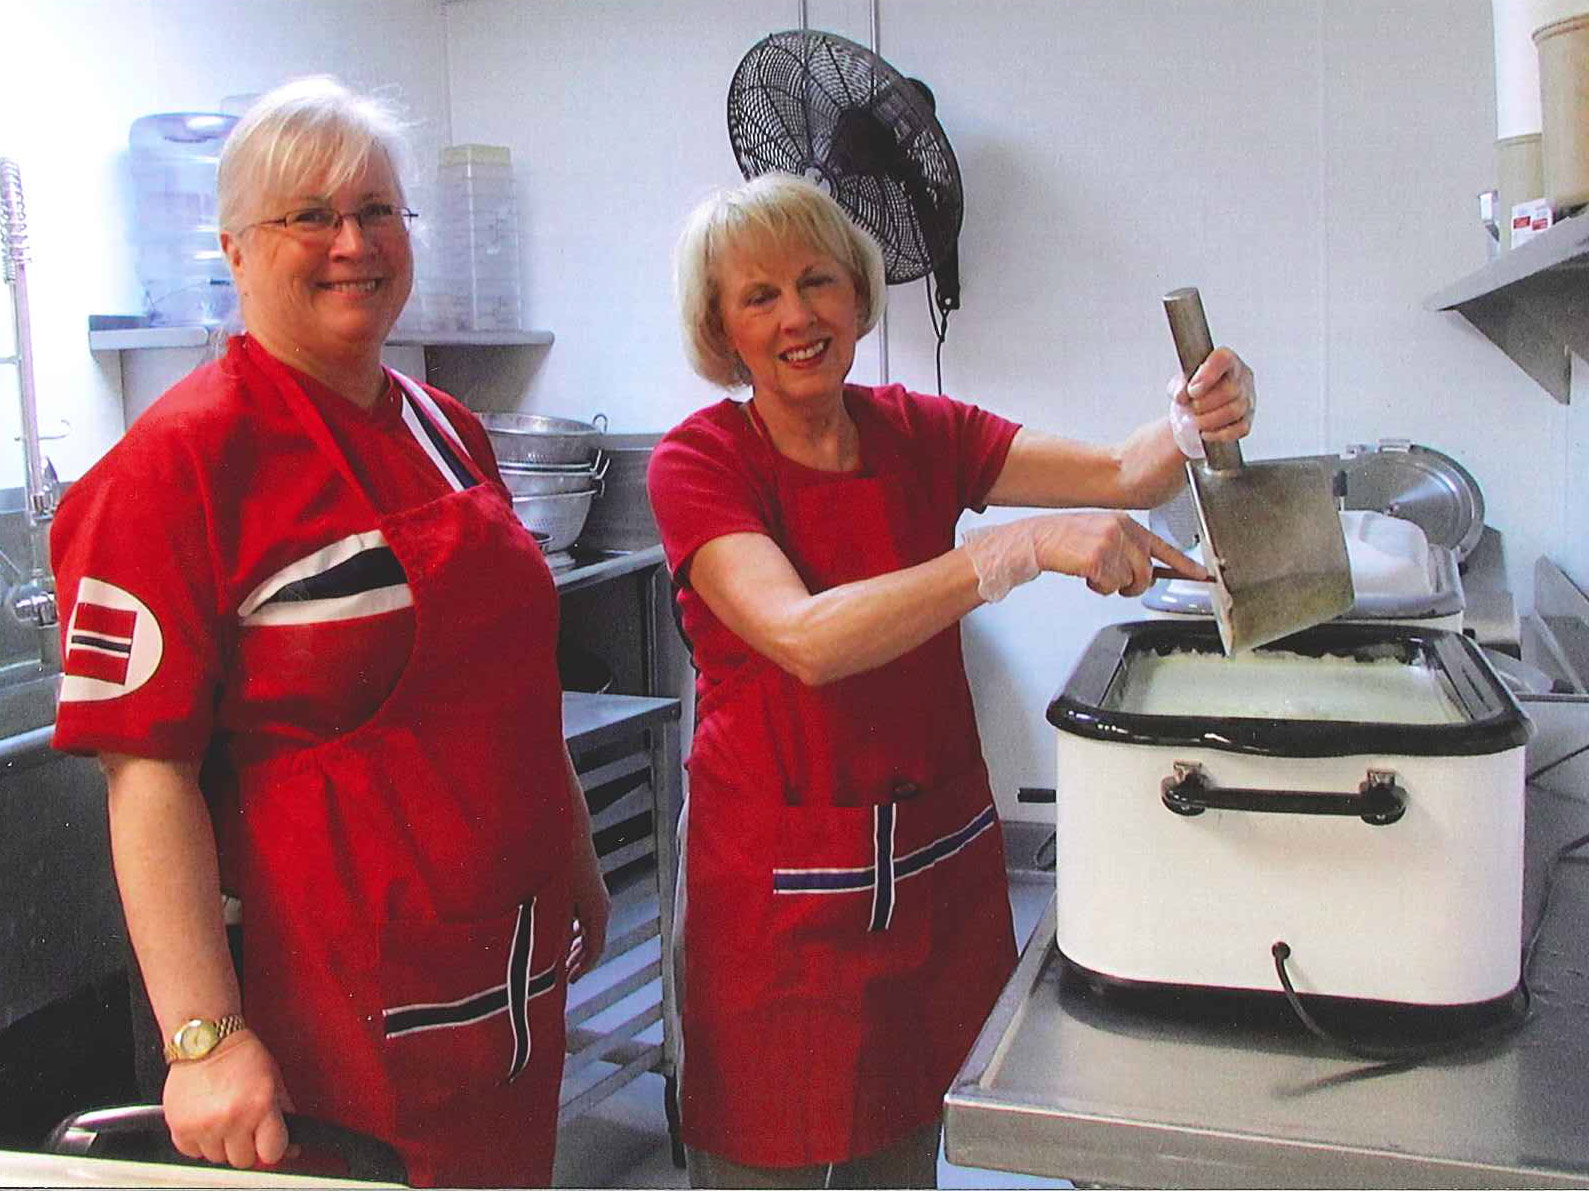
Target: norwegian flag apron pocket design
point(500, 1004)
point(847, 895)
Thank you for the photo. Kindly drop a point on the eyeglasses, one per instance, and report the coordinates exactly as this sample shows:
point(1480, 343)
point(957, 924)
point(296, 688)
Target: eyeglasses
point(323, 223)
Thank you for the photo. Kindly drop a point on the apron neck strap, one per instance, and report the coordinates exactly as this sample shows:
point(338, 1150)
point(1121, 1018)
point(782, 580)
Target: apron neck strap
point(274, 372)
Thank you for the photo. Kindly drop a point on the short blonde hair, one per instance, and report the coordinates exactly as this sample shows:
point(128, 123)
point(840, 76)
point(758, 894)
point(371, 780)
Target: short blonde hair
point(772, 208)
point(309, 130)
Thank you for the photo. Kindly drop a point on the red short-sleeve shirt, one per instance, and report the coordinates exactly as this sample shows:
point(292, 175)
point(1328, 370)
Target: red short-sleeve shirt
point(171, 555)
point(711, 475)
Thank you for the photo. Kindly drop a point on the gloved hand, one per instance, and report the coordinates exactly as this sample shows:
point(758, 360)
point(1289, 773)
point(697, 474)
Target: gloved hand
point(1003, 556)
point(1112, 552)
point(1219, 403)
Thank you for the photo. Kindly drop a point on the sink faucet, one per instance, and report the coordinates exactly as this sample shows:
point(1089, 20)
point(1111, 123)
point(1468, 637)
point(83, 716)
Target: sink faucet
point(32, 601)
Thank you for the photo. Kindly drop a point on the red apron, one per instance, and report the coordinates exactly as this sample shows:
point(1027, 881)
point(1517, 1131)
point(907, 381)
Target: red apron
point(405, 885)
point(847, 916)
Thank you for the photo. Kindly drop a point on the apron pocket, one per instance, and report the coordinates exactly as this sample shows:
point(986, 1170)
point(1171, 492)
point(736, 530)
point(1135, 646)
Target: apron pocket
point(840, 872)
point(832, 873)
point(470, 1007)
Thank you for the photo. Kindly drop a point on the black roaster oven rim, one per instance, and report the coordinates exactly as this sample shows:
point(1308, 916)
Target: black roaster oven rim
point(1494, 720)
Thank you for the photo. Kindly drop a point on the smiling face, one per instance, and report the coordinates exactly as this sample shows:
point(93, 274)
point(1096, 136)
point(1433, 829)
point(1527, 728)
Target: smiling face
point(325, 304)
point(791, 313)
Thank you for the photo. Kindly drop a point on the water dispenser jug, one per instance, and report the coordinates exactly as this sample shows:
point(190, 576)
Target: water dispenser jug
point(179, 261)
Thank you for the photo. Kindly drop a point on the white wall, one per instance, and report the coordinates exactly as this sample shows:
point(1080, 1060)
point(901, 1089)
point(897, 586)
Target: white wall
point(1310, 164)
point(78, 72)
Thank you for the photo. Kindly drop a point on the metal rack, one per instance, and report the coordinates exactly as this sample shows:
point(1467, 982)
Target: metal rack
point(626, 752)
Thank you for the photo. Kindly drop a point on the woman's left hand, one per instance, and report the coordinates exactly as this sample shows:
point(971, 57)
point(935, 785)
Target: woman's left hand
point(1218, 404)
point(592, 909)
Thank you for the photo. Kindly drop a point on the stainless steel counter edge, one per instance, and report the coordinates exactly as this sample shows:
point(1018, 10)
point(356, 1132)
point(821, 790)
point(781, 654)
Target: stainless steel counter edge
point(22, 748)
point(610, 566)
point(994, 1132)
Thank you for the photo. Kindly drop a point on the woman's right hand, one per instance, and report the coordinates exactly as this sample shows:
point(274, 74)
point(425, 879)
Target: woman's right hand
point(227, 1107)
point(1112, 552)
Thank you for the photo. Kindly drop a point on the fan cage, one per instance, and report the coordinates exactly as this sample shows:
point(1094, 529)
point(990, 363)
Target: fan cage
point(823, 107)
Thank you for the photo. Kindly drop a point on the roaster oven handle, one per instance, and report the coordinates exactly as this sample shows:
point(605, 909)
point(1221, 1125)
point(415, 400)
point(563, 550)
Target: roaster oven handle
point(368, 1158)
point(1379, 801)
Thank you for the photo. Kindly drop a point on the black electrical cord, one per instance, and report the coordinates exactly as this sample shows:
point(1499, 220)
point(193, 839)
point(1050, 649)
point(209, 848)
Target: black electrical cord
point(1520, 1014)
point(1562, 760)
point(940, 330)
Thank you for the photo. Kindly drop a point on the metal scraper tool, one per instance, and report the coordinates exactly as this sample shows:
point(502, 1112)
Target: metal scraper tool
point(1271, 532)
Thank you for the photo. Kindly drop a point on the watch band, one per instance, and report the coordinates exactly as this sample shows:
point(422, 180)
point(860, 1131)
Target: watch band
point(197, 1037)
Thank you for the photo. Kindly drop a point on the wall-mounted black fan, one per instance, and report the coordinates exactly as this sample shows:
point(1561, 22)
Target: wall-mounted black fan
point(816, 104)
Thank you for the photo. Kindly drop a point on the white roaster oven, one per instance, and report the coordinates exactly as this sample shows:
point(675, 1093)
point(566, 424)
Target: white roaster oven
point(1354, 791)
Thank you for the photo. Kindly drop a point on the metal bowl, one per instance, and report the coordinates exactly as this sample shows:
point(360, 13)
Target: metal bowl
point(560, 516)
point(541, 440)
point(542, 481)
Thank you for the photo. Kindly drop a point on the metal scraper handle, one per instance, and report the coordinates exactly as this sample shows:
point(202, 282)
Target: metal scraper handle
point(1193, 344)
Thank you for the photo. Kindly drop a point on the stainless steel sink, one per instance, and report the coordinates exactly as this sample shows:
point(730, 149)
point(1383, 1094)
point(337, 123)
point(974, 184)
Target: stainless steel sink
point(27, 703)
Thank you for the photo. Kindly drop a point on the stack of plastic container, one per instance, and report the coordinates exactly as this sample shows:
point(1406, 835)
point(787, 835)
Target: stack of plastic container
point(179, 260)
point(475, 286)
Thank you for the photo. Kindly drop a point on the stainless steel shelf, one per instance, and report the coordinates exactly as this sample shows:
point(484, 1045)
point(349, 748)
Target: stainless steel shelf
point(473, 339)
point(126, 332)
point(1532, 303)
point(592, 567)
point(130, 332)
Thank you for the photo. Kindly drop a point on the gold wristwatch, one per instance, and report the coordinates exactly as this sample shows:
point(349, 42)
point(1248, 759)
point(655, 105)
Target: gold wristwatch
point(196, 1038)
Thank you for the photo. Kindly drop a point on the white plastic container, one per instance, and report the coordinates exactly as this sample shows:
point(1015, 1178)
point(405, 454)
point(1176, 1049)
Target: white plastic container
point(477, 241)
point(175, 229)
point(1564, 111)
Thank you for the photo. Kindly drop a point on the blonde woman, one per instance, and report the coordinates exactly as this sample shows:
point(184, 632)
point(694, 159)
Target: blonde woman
point(847, 925)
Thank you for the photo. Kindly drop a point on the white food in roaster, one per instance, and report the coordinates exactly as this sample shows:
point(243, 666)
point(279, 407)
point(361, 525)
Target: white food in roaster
point(1275, 684)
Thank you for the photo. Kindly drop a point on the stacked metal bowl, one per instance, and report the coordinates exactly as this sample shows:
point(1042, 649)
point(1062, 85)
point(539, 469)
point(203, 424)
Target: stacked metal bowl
point(553, 468)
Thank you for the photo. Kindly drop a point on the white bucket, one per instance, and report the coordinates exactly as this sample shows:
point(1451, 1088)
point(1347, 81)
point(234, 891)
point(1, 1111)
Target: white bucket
point(1564, 111)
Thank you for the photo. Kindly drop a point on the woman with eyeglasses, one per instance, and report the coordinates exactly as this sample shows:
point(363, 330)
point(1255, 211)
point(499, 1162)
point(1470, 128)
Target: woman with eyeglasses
point(315, 654)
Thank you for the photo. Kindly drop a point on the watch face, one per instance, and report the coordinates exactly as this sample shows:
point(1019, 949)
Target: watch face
point(196, 1039)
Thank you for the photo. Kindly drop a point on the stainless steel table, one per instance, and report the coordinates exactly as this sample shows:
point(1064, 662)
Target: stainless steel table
point(1068, 1084)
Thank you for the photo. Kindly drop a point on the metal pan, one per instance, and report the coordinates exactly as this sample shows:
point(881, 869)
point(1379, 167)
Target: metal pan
point(1272, 535)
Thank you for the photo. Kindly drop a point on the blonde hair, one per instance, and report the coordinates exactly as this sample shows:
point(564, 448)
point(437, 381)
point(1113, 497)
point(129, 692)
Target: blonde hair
point(309, 130)
point(773, 208)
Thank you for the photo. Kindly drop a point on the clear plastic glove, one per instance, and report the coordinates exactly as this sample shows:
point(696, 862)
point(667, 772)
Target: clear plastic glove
point(1003, 556)
point(1219, 403)
point(1112, 552)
